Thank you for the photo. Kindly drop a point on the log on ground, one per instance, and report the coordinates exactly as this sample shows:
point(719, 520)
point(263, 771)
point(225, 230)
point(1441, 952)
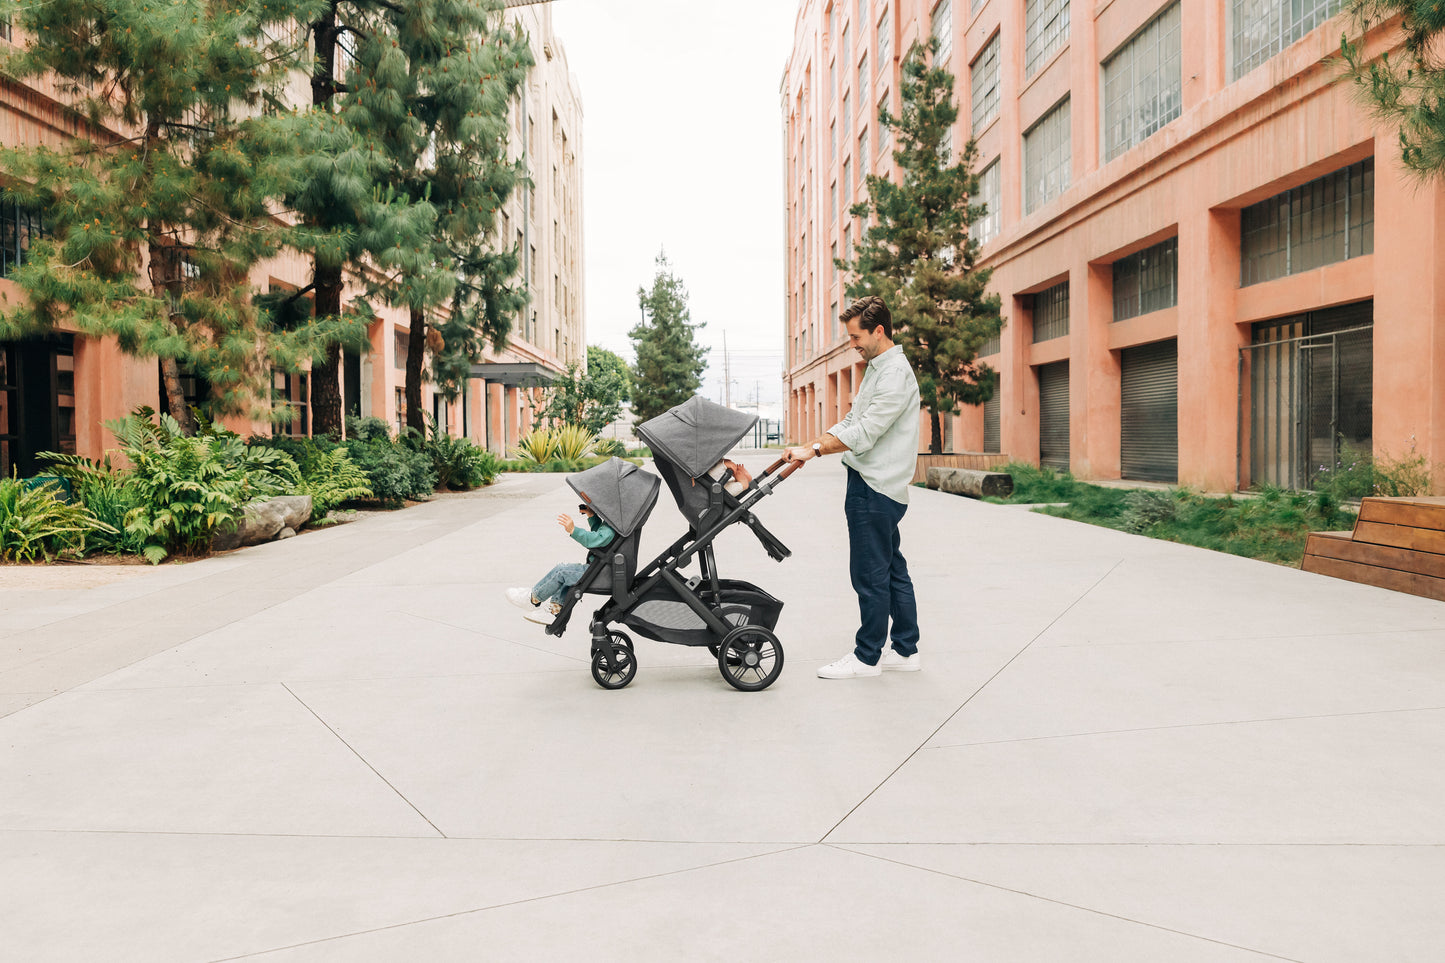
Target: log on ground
point(971, 482)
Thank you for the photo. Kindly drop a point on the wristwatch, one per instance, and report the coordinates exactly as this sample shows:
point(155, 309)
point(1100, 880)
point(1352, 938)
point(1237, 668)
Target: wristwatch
point(817, 449)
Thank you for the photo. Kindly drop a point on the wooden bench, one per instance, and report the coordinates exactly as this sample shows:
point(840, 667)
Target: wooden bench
point(1397, 543)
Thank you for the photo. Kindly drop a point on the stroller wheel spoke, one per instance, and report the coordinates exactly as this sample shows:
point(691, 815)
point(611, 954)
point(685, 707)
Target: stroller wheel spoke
point(750, 658)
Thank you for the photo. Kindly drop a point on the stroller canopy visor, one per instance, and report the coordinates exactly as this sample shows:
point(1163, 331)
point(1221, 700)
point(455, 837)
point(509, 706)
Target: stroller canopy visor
point(696, 434)
point(621, 494)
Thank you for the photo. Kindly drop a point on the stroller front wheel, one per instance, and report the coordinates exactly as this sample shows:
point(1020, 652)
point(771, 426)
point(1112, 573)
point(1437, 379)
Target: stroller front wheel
point(750, 658)
point(624, 663)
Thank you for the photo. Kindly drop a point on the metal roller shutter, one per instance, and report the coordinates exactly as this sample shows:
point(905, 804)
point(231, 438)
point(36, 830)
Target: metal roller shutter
point(1054, 415)
point(991, 442)
point(1149, 412)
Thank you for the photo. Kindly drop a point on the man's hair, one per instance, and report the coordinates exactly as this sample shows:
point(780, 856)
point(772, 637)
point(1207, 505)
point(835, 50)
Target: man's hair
point(871, 313)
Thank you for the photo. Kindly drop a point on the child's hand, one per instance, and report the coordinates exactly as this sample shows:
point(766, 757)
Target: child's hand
point(566, 522)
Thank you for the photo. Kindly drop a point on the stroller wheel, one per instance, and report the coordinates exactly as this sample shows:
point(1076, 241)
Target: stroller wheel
point(750, 658)
point(624, 663)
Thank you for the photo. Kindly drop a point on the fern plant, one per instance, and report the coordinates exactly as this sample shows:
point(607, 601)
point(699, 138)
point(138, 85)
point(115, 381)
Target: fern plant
point(36, 525)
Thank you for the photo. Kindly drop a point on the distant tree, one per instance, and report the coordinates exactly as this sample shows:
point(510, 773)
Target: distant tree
point(917, 253)
point(1408, 89)
point(600, 360)
point(156, 213)
point(591, 399)
point(670, 362)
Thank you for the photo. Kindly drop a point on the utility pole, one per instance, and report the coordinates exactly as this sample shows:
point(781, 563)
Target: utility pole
point(727, 374)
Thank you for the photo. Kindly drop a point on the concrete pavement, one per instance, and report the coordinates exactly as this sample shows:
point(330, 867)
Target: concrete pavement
point(348, 746)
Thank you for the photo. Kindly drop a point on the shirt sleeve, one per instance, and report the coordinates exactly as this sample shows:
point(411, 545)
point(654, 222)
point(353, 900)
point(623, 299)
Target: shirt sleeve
point(845, 423)
point(593, 539)
point(889, 402)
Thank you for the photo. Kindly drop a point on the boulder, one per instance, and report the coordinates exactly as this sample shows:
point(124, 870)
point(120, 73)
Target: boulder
point(971, 482)
point(264, 521)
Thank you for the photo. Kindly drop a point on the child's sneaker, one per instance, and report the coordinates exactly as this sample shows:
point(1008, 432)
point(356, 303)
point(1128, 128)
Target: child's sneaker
point(521, 598)
point(545, 613)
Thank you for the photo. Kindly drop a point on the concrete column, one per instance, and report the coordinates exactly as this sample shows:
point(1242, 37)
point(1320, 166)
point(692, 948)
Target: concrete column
point(1084, 91)
point(384, 375)
point(1010, 80)
point(514, 423)
point(1094, 406)
point(496, 418)
point(1409, 351)
point(830, 413)
point(475, 401)
point(1209, 342)
point(1018, 417)
point(845, 392)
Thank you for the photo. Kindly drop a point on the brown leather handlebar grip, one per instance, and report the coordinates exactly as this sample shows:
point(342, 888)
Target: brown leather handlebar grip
point(789, 470)
point(776, 465)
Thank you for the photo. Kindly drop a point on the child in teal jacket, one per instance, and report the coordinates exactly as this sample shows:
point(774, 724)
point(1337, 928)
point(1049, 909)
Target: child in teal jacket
point(544, 600)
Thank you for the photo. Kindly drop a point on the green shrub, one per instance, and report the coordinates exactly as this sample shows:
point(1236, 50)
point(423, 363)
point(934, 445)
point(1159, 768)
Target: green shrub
point(367, 429)
point(1147, 507)
point(573, 443)
point(539, 446)
point(609, 448)
point(1361, 473)
point(186, 488)
point(643, 452)
point(35, 524)
point(106, 494)
point(459, 464)
point(330, 477)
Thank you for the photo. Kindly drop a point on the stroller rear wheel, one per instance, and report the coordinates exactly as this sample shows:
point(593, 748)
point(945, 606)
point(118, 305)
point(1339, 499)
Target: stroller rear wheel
point(750, 658)
point(624, 663)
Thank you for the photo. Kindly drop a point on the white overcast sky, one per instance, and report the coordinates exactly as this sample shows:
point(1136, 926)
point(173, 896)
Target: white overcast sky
point(682, 151)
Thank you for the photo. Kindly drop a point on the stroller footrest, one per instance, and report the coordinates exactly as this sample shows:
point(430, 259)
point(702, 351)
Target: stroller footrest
point(770, 542)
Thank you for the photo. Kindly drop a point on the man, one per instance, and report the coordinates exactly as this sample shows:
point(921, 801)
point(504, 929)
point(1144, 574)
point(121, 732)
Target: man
point(879, 437)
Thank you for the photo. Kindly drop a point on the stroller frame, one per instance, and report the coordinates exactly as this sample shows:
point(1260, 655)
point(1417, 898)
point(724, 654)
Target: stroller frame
point(739, 647)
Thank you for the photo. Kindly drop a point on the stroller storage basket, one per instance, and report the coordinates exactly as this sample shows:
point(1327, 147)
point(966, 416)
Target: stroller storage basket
point(663, 616)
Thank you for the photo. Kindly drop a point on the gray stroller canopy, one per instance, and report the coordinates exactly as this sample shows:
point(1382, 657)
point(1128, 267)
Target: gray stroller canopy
point(621, 494)
point(696, 434)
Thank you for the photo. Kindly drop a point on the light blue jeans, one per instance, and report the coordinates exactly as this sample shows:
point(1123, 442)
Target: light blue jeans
point(554, 585)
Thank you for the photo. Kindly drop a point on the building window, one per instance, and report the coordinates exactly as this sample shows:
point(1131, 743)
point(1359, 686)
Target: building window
point(833, 201)
point(885, 41)
point(1142, 84)
point(832, 79)
point(1147, 281)
point(862, 11)
point(992, 346)
point(7, 32)
point(862, 159)
point(942, 29)
point(400, 410)
point(987, 226)
point(848, 243)
point(847, 117)
point(847, 174)
point(1046, 28)
point(863, 80)
point(832, 22)
point(1046, 158)
point(833, 271)
point(832, 140)
point(845, 45)
point(19, 226)
point(1051, 313)
point(1332, 218)
point(983, 81)
point(883, 129)
point(401, 339)
point(1262, 28)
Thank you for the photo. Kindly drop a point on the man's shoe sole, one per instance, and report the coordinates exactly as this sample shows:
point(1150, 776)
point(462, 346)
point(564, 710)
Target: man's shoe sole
point(915, 667)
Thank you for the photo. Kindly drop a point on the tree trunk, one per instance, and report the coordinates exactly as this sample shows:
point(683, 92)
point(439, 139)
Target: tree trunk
point(158, 260)
point(935, 445)
point(415, 355)
point(176, 396)
point(326, 377)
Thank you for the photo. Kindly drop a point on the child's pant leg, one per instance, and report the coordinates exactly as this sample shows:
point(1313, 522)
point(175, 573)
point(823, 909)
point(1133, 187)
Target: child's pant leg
point(554, 584)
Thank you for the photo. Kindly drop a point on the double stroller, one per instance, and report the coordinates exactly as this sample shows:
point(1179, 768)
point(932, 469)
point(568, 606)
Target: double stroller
point(733, 618)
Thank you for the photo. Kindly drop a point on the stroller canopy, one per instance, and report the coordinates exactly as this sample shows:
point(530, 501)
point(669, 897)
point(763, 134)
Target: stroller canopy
point(622, 494)
point(696, 434)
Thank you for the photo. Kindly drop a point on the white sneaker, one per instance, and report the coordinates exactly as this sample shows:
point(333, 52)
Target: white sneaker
point(544, 614)
point(892, 661)
point(521, 598)
point(848, 667)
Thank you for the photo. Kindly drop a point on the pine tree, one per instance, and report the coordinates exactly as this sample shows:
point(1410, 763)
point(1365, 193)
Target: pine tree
point(1407, 90)
point(918, 254)
point(157, 212)
point(456, 67)
point(670, 362)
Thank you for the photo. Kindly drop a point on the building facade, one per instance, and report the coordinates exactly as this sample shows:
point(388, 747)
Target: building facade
point(1214, 270)
point(56, 392)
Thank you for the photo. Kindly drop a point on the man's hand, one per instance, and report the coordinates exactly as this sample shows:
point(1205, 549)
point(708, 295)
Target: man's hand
point(797, 453)
point(566, 522)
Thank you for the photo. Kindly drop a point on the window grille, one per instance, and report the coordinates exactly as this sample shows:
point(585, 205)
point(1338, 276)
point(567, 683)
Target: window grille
point(1262, 28)
point(1046, 28)
point(983, 81)
point(19, 226)
point(1051, 313)
point(1329, 219)
point(987, 226)
point(1147, 281)
point(885, 41)
point(1142, 84)
point(1046, 158)
point(942, 29)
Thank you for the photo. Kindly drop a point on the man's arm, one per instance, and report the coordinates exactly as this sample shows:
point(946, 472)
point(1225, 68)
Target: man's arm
point(891, 400)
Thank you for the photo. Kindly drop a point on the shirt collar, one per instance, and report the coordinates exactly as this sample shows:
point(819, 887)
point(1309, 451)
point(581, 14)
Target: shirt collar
point(882, 359)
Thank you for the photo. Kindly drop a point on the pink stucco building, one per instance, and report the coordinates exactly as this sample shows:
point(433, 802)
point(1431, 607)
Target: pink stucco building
point(57, 392)
point(1214, 269)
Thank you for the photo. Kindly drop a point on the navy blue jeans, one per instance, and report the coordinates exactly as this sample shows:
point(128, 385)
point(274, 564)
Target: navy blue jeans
point(879, 572)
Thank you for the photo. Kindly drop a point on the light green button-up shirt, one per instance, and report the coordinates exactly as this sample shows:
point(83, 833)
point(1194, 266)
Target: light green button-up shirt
point(881, 429)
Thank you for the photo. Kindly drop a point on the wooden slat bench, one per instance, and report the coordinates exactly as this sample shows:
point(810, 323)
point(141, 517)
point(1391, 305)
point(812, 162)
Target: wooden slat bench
point(1398, 543)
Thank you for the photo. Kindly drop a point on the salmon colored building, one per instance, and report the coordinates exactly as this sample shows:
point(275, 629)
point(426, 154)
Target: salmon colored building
point(57, 392)
point(1214, 270)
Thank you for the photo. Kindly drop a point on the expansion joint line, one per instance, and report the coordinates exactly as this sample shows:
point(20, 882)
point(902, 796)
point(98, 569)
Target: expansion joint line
point(1040, 634)
point(364, 761)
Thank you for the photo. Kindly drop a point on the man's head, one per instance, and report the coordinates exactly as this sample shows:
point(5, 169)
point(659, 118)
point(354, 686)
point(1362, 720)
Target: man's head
point(869, 325)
